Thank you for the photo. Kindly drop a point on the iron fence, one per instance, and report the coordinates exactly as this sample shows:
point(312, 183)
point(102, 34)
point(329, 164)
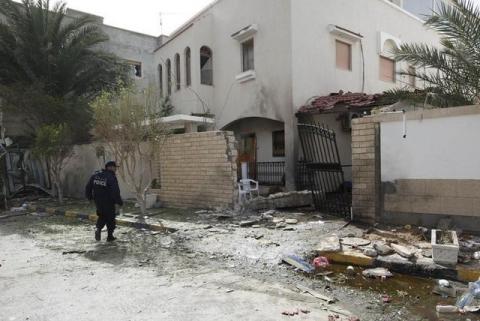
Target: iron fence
point(266, 173)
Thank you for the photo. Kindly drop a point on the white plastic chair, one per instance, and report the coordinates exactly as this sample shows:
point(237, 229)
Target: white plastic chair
point(246, 189)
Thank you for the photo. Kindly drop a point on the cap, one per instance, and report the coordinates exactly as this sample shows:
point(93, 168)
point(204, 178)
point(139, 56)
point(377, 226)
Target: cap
point(111, 164)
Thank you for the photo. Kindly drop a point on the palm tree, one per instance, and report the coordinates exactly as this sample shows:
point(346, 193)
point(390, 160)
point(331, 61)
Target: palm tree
point(51, 66)
point(451, 72)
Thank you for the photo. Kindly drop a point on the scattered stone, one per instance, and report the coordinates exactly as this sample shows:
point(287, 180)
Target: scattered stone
point(281, 225)
point(291, 312)
point(256, 226)
point(247, 223)
point(370, 252)
point(229, 291)
point(377, 272)
point(355, 241)
point(476, 255)
point(258, 237)
point(277, 220)
point(424, 245)
point(201, 212)
point(329, 244)
point(208, 227)
point(427, 253)
point(403, 251)
point(383, 249)
point(291, 221)
point(408, 227)
point(289, 228)
point(446, 309)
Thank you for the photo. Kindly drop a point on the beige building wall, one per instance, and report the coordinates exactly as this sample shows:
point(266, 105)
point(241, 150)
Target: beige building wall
point(431, 174)
point(198, 170)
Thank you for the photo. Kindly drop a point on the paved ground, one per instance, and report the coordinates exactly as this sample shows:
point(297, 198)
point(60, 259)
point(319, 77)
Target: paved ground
point(52, 269)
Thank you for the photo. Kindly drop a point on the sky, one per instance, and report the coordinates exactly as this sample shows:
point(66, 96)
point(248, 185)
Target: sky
point(143, 15)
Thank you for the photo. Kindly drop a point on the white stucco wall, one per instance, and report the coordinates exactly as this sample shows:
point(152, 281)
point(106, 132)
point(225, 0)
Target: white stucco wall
point(313, 46)
point(439, 148)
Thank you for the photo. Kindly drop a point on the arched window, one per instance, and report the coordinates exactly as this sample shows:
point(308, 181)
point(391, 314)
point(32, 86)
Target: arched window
point(188, 67)
point(177, 72)
point(160, 79)
point(206, 66)
point(169, 77)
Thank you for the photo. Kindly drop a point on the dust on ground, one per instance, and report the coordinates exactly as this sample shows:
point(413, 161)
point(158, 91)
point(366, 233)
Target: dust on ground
point(210, 269)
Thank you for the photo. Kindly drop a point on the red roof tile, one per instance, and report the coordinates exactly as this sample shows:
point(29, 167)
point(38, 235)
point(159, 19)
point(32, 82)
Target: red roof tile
point(320, 104)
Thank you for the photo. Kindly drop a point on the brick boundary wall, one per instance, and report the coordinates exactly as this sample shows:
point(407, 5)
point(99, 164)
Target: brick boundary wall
point(198, 170)
point(365, 170)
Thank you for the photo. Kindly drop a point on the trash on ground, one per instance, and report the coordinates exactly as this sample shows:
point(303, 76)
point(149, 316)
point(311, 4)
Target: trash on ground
point(350, 270)
point(377, 272)
point(447, 309)
point(315, 294)
point(386, 298)
point(321, 262)
point(299, 263)
point(470, 295)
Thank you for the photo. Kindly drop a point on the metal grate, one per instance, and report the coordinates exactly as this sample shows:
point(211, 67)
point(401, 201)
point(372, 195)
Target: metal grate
point(323, 169)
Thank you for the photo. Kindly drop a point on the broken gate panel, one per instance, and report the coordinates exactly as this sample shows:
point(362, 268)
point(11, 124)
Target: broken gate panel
point(324, 169)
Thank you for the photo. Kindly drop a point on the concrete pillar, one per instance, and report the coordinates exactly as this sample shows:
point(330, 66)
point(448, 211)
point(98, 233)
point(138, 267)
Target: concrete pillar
point(291, 148)
point(366, 170)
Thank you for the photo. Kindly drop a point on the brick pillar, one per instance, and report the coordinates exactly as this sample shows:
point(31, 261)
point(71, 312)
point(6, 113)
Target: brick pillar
point(365, 170)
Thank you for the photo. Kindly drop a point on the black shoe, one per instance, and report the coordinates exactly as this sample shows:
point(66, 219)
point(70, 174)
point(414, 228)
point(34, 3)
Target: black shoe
point(111, 238)
point(98, 235)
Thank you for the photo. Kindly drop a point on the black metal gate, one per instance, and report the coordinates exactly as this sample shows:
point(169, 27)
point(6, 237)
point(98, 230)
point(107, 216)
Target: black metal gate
point(324, 169)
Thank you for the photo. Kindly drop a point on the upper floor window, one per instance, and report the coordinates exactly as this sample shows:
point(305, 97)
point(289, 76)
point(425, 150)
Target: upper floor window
point(248, 60)
point(160, 79)
point(177, 72)
point(188, 67)
point(169, 77)
point(387, 69)
point(206, 66)
point(343, 55)
point(136, 68)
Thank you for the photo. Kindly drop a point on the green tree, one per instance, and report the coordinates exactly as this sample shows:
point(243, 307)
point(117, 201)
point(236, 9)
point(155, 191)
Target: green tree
point(51, 66)
point(451, 72)
point(127, 122)
point(53, 144)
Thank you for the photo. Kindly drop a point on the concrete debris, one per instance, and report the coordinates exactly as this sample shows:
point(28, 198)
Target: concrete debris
point(370, 252)
point(424, 245)
point(281, 200)
point(402, 251)
point(248, 223)
point(377, 272)
point(427, 253)
point(382, 249)
point(281, 225)
point(329, 244)
point(355, 241)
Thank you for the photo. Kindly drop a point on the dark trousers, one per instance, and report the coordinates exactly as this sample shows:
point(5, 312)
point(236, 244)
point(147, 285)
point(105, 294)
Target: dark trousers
point(106, 216)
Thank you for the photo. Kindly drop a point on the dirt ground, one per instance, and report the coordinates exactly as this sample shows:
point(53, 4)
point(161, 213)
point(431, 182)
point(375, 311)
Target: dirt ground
point(52, 269)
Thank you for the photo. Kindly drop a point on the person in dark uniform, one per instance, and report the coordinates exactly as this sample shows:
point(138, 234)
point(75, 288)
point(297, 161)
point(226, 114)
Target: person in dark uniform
point(103, 189)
